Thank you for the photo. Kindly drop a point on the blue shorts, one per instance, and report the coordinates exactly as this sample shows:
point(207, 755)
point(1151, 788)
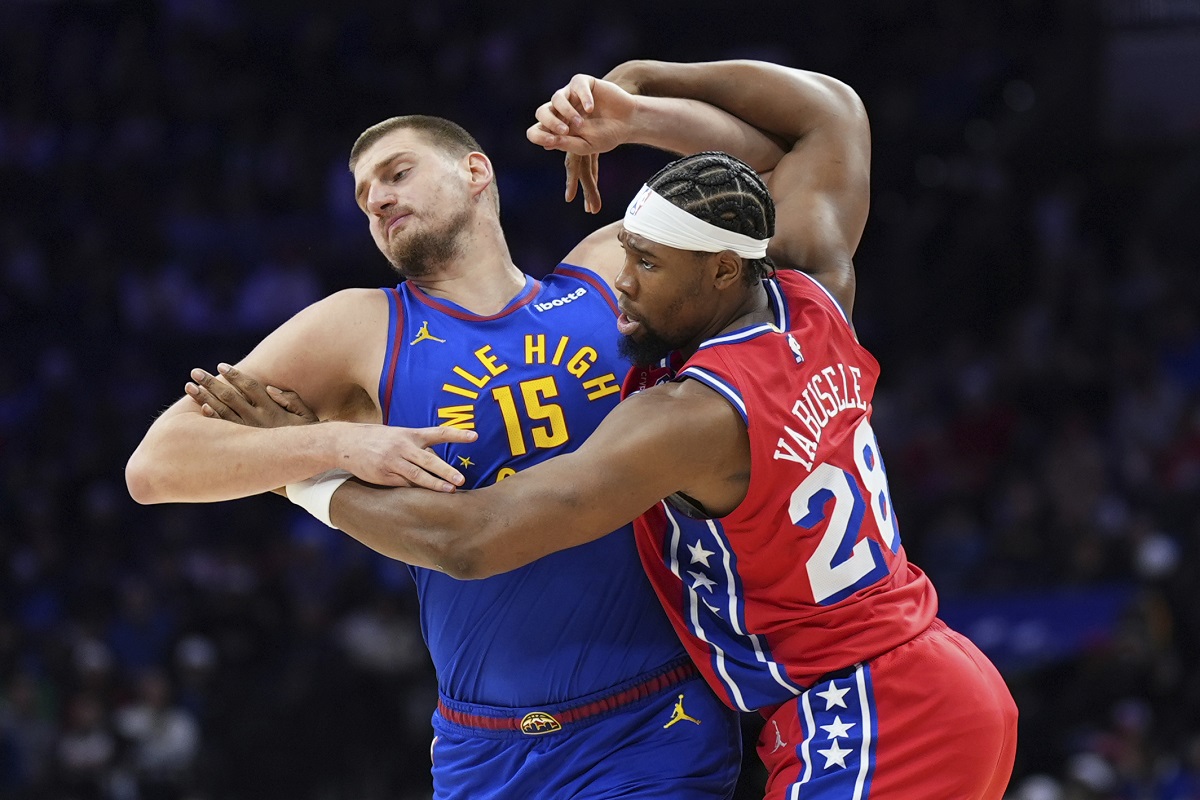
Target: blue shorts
point(661, 736)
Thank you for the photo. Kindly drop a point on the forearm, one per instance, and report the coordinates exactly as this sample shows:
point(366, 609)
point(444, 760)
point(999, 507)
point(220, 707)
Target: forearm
point(687, 126)
point(540, 510)
point(779, 101)
point(189, 458)
point(416, 526)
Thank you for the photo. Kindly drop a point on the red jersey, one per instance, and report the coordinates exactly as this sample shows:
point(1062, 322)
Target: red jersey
point(807, 576)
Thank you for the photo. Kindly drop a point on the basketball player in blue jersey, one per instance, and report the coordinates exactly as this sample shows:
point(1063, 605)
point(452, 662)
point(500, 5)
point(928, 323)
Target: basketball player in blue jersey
point(563, 678)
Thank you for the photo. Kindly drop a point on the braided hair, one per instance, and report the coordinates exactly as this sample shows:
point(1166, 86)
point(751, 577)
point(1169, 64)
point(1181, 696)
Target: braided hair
point(723, 191)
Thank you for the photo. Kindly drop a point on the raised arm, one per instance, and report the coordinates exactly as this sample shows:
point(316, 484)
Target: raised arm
point(331, 353)
point(822, 184)
point(818, 173)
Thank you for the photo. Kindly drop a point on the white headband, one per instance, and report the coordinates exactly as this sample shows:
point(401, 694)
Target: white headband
point(659, 220)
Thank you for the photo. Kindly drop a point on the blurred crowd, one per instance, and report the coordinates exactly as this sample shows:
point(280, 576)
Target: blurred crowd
point(174, 187)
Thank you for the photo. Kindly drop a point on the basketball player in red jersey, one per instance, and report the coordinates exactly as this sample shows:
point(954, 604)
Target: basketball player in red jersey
point(770, 536)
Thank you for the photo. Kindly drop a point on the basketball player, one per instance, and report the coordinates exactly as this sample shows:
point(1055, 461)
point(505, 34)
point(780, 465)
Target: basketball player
point(745, 430)
point(559, 679)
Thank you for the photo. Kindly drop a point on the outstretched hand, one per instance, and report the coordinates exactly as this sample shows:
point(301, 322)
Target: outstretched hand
point(379, 454)
point(583, 119)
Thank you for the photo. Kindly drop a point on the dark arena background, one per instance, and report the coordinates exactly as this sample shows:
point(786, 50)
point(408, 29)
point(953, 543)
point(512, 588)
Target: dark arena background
point(174, 186)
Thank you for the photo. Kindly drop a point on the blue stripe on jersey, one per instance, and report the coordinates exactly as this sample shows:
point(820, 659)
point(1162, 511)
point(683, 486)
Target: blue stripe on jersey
point(778, 304)
point(821, 286)
point(700, 555)
point(741, 335)
point(395, 325)
point(717, 384)
point(572, 271)
point(840, 731)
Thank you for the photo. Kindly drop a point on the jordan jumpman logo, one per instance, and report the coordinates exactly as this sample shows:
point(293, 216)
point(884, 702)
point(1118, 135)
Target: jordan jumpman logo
point(679, 715)
point(424, 334)
point(779, 742)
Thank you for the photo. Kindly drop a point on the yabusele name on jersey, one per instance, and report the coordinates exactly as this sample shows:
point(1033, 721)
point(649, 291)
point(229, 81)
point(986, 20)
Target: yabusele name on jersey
point(828, 392)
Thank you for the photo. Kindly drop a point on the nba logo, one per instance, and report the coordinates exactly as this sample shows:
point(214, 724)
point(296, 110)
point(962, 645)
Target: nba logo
point(792, 343)
point(639, 201)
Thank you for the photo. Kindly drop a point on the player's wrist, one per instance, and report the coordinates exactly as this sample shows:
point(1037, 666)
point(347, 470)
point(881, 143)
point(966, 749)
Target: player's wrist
point(315, 494)
point(332, 445)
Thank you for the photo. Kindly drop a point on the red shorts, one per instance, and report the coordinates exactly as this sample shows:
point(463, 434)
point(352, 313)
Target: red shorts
point(930, 719)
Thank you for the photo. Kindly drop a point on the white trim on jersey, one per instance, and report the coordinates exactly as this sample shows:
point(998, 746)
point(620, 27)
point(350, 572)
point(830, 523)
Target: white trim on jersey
point(734, 690)
point(738, 336)
point(718, 385)
point(675, 535)
point(781, 316)
point(734, 616)
point(821, 286)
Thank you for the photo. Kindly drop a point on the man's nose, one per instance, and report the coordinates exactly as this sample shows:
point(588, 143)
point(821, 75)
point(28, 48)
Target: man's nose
point(625, 284)
point(379, 198)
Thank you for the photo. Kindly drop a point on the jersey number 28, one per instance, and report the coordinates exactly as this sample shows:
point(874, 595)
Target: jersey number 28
point(841, 563)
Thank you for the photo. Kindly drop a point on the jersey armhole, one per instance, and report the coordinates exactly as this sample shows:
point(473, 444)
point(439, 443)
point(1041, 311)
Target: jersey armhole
point(719, 385)
point(592, 279)
point(837, 307)
point(387, 375)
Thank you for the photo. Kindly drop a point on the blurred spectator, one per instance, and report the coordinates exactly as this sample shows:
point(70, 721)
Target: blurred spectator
point(87, 749)
point(163, 739)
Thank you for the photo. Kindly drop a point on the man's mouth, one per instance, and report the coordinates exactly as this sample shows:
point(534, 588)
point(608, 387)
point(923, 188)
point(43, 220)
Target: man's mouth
point(396, 222)
point(627, 324)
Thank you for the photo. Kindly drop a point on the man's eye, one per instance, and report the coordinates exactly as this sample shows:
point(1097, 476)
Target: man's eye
point(400, 175)
point(644, 264)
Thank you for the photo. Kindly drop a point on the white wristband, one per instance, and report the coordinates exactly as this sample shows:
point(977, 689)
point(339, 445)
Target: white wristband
point(315, 494)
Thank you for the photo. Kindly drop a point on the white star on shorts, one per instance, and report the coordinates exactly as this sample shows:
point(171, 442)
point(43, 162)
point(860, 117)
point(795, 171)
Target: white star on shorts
point(835, 755)
point(838, 729)
point(833, 696)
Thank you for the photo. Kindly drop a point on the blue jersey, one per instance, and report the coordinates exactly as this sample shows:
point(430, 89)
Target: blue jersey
point(533, 381)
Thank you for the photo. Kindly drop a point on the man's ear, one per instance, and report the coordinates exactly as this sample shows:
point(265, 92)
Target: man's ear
point(479, 173)
point(730, 268)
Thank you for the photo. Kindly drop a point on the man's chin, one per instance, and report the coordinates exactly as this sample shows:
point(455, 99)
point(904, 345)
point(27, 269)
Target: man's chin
point(645, 351)
point(409, 269)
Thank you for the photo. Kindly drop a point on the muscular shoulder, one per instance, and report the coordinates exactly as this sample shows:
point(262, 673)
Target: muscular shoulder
point(600, 252)
point(689, 419)
point(705, 432)
point(331, 353)
point(348, 304)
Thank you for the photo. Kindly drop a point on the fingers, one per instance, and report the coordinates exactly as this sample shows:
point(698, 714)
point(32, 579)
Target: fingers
point(444, 434)
point(548, 117)
point(562, 103)
point(589, 174)
point(539, 135)
point(223, 391)
point(210, 406)
point(290, 401)
point(249, 388)
point(549, 141)
point(574, 164)
point(430, 471)
point(580, 89)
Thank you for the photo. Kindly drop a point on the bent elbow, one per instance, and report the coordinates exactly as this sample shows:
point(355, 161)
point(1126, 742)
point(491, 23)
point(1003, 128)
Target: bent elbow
point(466, 556)
point(139, 480)
point(464, 561)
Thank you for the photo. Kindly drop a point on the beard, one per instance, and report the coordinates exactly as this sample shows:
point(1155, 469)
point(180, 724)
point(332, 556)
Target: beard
point(647, 350)
point(423, 252)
